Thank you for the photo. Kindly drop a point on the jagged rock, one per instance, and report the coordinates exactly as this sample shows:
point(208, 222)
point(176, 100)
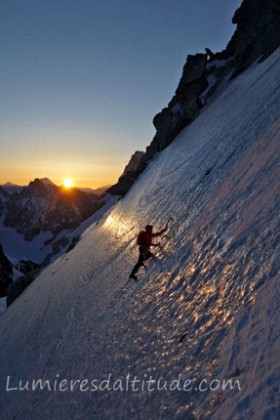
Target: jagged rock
point(133, 163)
point(74, 242)
point(181, 111)
point(60, 244)
point(6, 273)
point(17, 287)
point(27, 266)
point(38, 188)
point(257, 34)
point(124, 183)
point(220, 69)
point(163, 124)
point(129, 175)
point(210, 54)
point(192, 72)
point(162, 118)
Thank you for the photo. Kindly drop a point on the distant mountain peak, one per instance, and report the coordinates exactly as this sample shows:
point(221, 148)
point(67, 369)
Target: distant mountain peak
point(46, 181)
point(10, 184)
point(37, 187)
point(43, 206)
point(11, 188)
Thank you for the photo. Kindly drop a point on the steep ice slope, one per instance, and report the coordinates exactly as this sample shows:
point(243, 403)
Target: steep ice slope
point(81, 320)
point(252, 351)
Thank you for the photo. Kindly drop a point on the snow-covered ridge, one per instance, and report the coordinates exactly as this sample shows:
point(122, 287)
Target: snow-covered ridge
point(219, 180)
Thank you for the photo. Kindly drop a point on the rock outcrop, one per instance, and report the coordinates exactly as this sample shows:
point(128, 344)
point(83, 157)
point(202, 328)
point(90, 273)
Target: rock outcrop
point(6, 273)
point(129, 175)
point(133, 163)
point(257, 35)
point(17, 287)
point(190, 96)
point(4, 196)
point(202, 76)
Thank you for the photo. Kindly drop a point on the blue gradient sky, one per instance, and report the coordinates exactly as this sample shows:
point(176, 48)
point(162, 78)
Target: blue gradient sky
point(81, 80)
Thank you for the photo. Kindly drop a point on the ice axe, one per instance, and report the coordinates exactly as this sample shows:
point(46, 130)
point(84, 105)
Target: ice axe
point(165, 236)
point(167, 223)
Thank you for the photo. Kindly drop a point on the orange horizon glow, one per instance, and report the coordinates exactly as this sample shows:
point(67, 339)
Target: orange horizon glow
point(25, 182)
point(91, 173)
point(94, 182)
point(68, 183)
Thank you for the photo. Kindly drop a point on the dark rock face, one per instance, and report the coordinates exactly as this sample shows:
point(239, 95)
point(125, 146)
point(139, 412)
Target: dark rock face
point(6, 273)
point(256, 37)
point(4, 196)
point(202, 75)
point(133, 163)
point(17, 287)
point(129, 175)
point(257, 34)
point(184, 106)
point(44, 207)
point(28, 266)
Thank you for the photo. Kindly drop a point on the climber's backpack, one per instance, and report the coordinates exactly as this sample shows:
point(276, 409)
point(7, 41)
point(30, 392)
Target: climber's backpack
point(141, 238)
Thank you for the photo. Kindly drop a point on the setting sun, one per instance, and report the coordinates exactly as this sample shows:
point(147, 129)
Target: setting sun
point(68, 183)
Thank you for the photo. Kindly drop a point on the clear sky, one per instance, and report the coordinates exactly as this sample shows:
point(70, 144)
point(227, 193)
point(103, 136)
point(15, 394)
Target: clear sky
point(81, 80)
